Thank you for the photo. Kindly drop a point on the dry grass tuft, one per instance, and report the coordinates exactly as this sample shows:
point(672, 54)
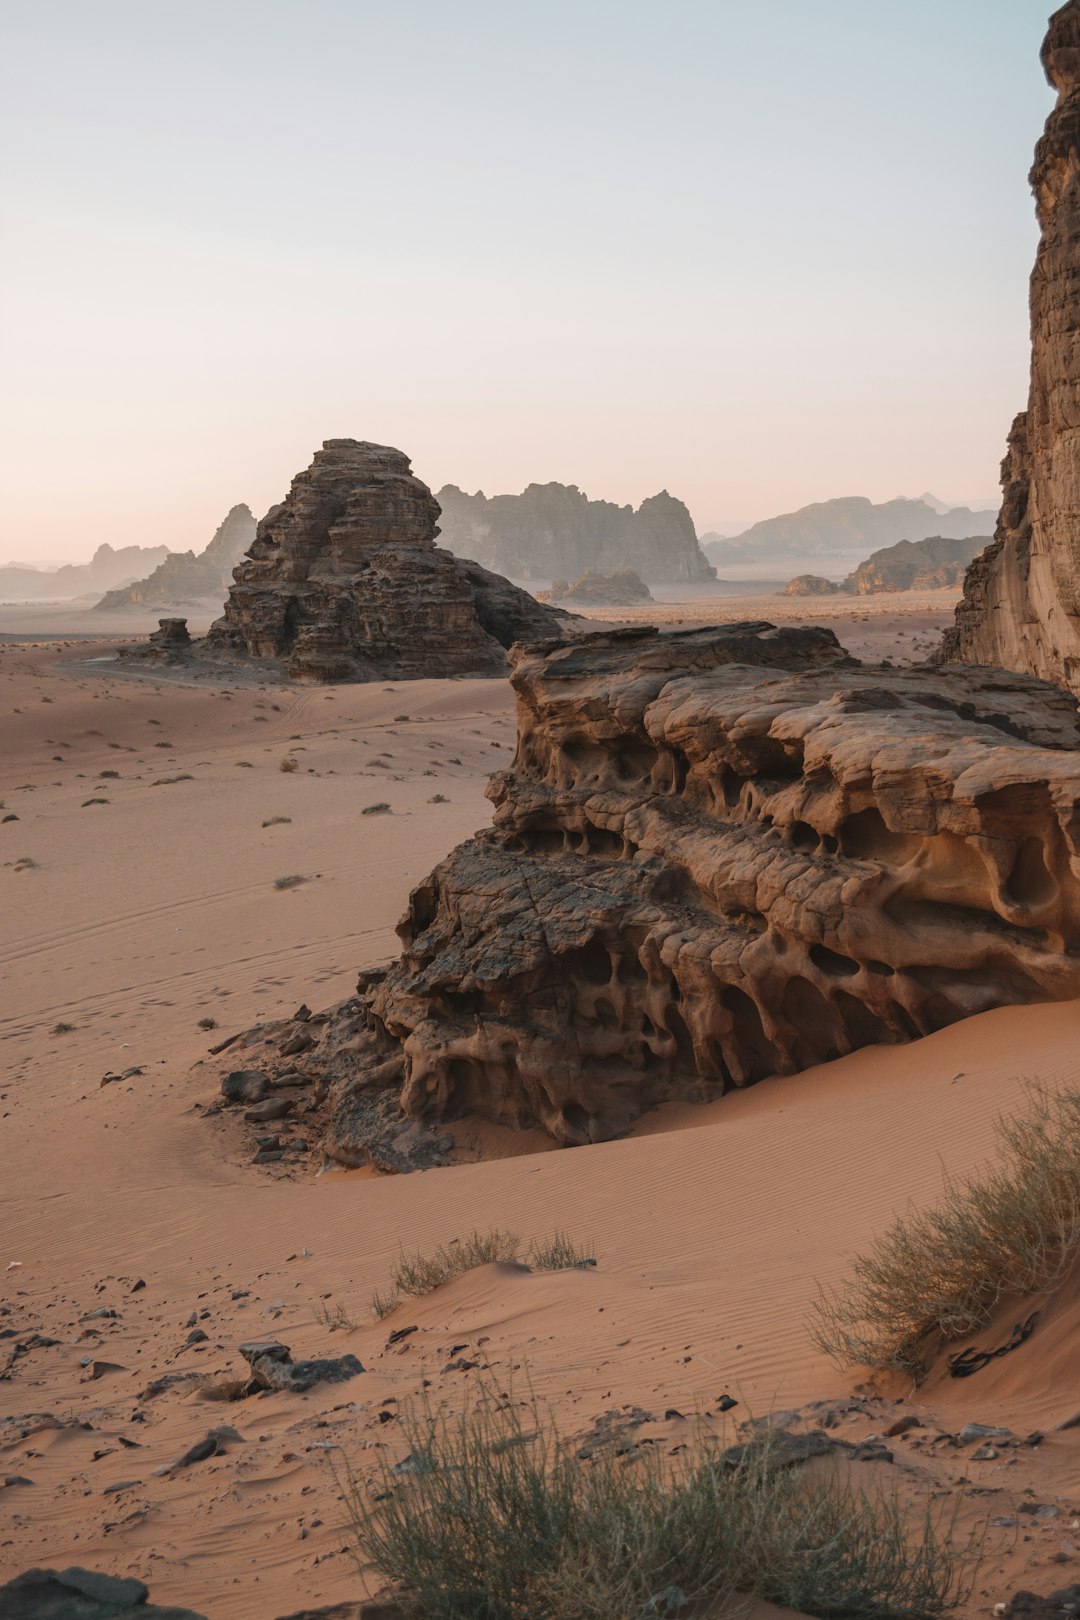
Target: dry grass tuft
point(379, 809)
point(208, 1023)
point(936, 1275)
point(290, 881)
point(288, 765)
point(497, 1519)
point(335, 1318)
point(61, 1029)
point(277, 821)
point(418, 1274)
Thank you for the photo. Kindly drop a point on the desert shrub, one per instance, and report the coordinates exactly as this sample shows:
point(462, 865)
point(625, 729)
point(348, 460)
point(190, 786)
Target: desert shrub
point(61, 1029)
point(417, 1274)
point(290, 881)
point(277, 821)
point(167, 781)
point(87, 802)
point(288, 765)
point(208, 1023)
point(333, 1317)
point(111, 774)
point(438, 798)
point(379, 809)
point(497, 1519)
point(937, 1274)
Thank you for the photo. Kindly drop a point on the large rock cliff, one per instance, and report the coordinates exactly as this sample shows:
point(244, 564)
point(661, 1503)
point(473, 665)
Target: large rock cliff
point(719, 855)
point(1021, 605)
point(344, 582)
point(553, 531)
point(185, 576)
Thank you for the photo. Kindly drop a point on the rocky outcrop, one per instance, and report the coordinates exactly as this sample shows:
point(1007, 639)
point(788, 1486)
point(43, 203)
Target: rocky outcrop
point(915, 565)
point(1021, 606)
point(170, 643)
point(553, 531)
point(811, 585)
point(344, 582)
point(185, 576)
point(910, 565)
point(601, 590)
point(720, 855)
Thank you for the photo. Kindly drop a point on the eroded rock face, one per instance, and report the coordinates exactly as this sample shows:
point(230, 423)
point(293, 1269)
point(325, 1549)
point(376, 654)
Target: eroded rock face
point(1021, 606)
point(720, 855)
point(344, 581)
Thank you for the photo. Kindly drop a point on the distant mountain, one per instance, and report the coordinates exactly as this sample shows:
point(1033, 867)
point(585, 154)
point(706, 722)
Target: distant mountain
point(849, 524)
point(186, 576)
point(553, 531)
point(105, 569)
point(909, 565)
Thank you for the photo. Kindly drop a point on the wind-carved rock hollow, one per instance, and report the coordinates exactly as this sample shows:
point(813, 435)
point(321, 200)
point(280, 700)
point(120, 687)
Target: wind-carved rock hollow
point(719, 855)
point(1021, 603)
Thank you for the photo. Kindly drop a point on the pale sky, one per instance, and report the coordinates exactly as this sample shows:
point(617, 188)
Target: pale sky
point(758, 254)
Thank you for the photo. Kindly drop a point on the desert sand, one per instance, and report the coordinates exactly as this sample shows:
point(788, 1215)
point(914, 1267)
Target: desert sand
point(130, 920)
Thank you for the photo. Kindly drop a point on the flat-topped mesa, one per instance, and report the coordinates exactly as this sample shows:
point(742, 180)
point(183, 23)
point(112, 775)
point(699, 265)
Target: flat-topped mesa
point(1021, 604)
point(720, 855)
point(344, 581)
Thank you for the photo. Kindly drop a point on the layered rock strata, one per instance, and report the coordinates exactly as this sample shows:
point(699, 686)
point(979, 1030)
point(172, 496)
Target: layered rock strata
point(344, 581)
point(1021, 606)
point(185, 576)
point(720, 855)
point(590, 589)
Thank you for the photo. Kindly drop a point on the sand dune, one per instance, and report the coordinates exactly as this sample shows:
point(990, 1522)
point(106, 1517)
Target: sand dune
point(712, 1226)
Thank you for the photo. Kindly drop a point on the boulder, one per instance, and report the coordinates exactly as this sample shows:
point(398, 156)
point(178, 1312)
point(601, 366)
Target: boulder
point(81, 1594)
point(602, 590)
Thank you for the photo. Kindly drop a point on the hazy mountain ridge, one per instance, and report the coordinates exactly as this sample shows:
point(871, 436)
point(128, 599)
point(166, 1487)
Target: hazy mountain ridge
point(106, 569)
point(553, 531)
point(186, 575)
point(845, 524)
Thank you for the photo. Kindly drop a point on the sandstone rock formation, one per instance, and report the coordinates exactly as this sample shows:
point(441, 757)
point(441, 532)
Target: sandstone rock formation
point(910, 565)
point(719, 855)
point(170, 643)
point(184, 576)
point(600, 590)
point(916, 565)
point(553, 531)
point(812, 585)
point(344, 582)
point(1021, 606)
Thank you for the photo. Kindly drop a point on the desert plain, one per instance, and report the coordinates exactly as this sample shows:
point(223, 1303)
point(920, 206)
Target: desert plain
point(145, 823)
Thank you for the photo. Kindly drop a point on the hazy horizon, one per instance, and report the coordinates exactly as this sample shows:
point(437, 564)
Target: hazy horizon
point(757, 258)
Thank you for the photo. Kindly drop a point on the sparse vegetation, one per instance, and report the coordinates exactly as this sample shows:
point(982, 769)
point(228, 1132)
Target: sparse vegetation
point(277, 821)
point(438, 798)
point(25, 864)
point(288, 764)
point(93, 801)
point(497, 1519)
point(289, 882)
point(208, 1023)
point(167, 781)
point(379, 809)
point(111, 774)
point(245, 764)
point(399, 719)
point(334, 1318)
point(418, 1274)
point(61, 1029)
point(164, 745)
point(936, 1275)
